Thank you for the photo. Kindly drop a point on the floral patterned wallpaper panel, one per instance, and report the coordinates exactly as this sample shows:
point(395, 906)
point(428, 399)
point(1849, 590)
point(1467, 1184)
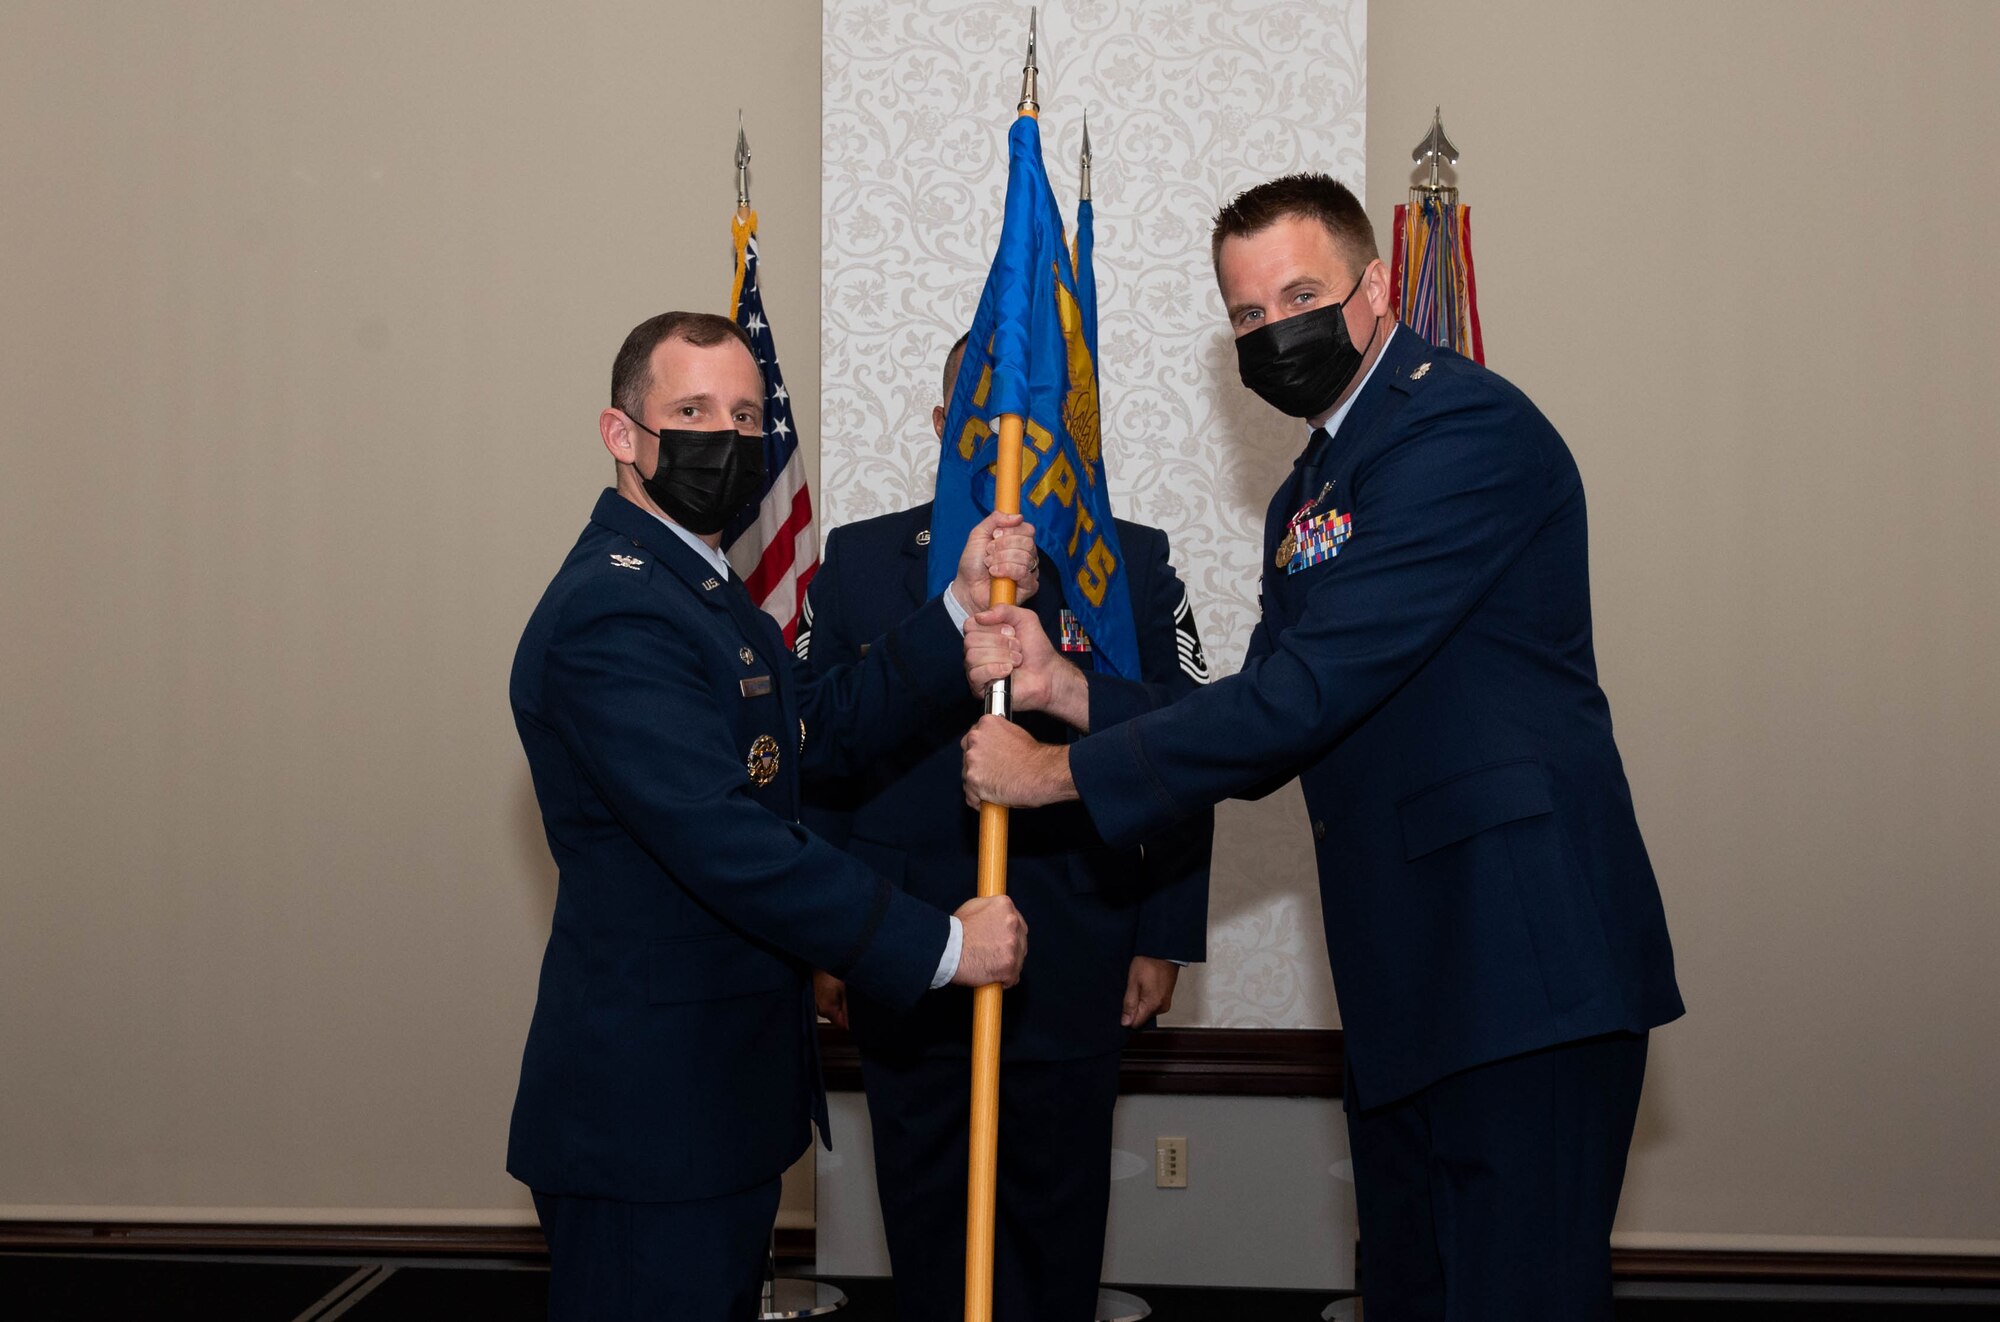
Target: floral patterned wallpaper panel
point(1189, 102)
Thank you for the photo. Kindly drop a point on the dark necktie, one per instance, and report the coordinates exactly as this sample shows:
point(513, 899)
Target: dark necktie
point(1305, 471)
point(1317, 446)
point(1295, 490)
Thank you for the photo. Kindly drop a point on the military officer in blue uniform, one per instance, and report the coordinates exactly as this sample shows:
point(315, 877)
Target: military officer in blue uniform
point(1111, 924)
point(671, 1070)
point(1424, 665)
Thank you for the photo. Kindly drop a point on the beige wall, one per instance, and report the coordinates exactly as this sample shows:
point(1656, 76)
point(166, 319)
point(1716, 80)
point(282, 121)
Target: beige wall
point(1743, 256)
point(308, 314)
point(308, 310)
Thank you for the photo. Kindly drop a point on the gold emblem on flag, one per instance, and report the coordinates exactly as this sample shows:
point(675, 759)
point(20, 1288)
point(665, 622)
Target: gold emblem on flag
point(1080, 410)
point(762, 763)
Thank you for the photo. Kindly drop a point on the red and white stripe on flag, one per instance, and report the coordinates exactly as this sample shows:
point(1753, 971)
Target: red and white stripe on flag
point(772, 545)
point(778, 554)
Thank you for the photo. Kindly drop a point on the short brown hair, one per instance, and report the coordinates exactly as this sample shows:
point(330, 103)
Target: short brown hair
point(1311, 195)
point(632, 369)
point(951, 362)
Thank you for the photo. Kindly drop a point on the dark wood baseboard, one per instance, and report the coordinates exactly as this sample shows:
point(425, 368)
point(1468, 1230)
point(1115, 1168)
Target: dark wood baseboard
point(1211, 1062)
point(525, 1243)
point(1765, 1267)
point(330, 1241)
point(347, 1241)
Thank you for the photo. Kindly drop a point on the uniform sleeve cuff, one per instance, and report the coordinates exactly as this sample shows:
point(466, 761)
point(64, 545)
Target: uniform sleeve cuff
point(954, 947)
point(1118, 788)
point(959, 615)
point(1114, 701)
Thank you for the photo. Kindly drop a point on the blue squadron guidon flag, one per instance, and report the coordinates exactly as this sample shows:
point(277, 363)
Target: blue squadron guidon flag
point(772, 545)
point(1032, 352)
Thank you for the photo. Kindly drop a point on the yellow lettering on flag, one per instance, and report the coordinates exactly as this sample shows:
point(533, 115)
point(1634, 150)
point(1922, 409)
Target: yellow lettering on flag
point(1094, 579)
point(1084, 523)
point(1059, 480)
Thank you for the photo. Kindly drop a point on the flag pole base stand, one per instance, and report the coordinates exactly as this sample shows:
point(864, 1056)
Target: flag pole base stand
point(1117, 1306)
point(792, 1296)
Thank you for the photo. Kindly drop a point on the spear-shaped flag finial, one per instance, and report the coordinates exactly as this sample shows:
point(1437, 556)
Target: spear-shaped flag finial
point(742, 166)
point(1029, 105)
point(1083, 163)
point(1435, 148)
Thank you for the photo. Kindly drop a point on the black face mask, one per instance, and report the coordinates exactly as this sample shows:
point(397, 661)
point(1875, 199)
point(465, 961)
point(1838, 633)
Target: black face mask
point(704, 477)
point(1300, 365)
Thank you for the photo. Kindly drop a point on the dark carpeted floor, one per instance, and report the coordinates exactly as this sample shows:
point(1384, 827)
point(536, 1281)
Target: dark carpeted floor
point(79, 1287)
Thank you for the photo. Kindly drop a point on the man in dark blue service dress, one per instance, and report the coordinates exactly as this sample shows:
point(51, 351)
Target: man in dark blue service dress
point(671, 1072)
point(1111, 927)
point(1424, 666)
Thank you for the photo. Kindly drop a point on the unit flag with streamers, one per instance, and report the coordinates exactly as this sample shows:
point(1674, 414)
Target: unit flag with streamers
point(1430, 256)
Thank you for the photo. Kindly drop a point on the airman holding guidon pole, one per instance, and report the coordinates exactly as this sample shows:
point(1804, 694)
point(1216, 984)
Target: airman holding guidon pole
point(1424, 666)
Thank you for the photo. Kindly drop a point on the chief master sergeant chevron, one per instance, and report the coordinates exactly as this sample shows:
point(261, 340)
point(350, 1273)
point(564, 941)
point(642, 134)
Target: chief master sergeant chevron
point(1424, 665)
point(671, 1070)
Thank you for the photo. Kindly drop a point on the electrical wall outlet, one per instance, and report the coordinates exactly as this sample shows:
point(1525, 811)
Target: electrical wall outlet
point(1170, 1163)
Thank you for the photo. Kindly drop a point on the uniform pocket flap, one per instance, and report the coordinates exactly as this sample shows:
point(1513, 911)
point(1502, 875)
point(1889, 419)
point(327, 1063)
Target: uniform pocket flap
point(1473, 802)
point(713, 968)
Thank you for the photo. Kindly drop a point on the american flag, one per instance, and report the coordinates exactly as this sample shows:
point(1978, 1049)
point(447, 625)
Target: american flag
point(772, 545)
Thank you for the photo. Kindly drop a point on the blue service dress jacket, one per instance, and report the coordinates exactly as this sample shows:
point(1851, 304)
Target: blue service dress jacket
point(1090, 907)
point(673, 1052)
point(1424, 665)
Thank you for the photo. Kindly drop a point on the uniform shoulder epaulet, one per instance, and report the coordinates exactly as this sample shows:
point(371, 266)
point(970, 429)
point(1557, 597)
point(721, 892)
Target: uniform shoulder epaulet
point(626, 556)
point(1421, 373)
point(616, 560)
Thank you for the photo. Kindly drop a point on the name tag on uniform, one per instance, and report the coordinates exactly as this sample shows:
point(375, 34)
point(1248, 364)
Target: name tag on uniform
point(757, 686)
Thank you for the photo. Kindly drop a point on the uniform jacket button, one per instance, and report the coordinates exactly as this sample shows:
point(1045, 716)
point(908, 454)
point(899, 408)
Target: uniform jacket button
point(1319, 828)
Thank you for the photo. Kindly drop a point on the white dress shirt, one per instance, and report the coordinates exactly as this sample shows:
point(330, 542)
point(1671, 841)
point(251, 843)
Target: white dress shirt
point(1332, 424)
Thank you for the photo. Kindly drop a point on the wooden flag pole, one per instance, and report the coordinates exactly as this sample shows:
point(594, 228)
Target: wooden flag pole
point(984, 1135)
